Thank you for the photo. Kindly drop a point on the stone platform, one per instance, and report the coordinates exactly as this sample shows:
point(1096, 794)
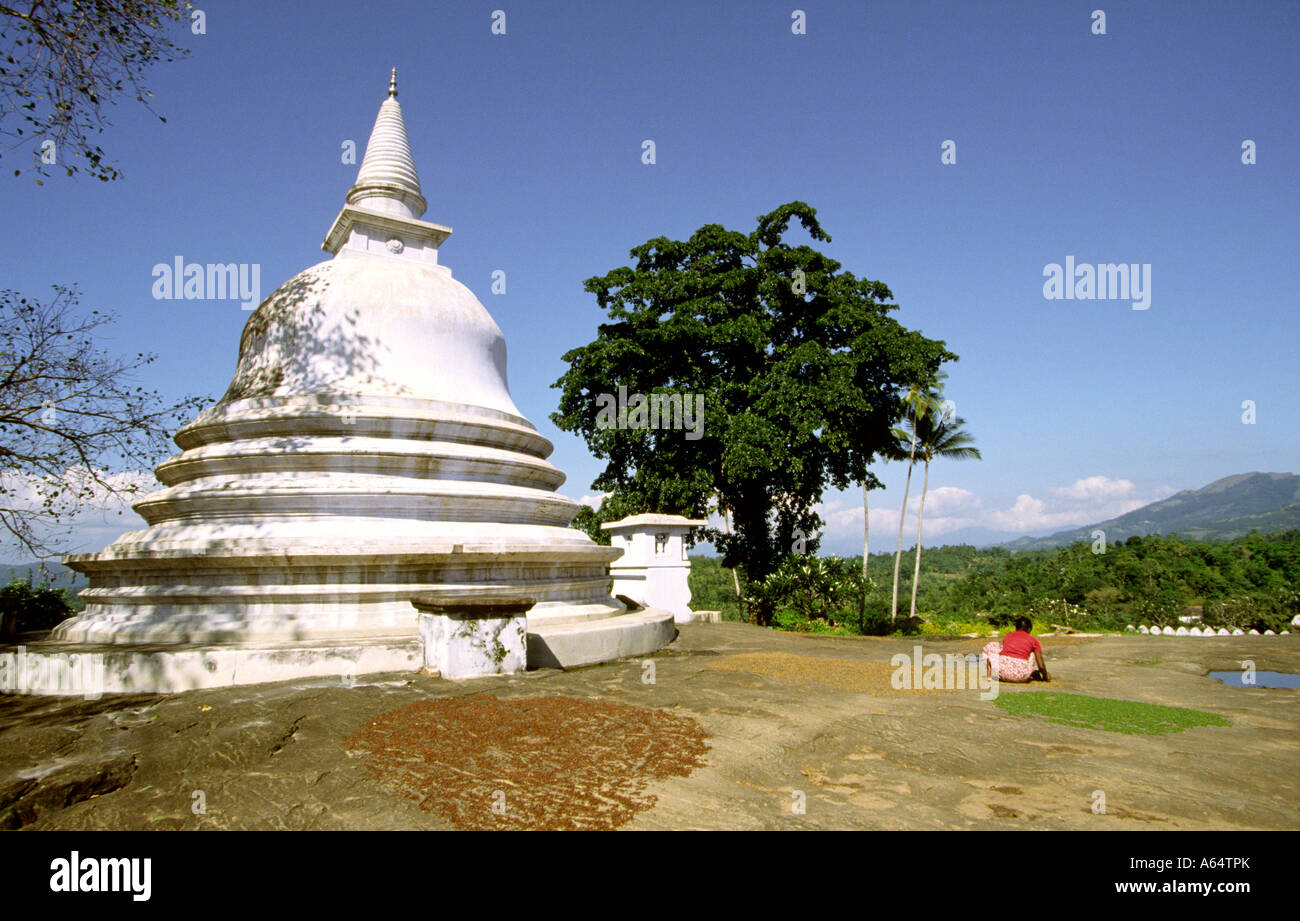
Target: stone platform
point(136, 668)
point(570, 645)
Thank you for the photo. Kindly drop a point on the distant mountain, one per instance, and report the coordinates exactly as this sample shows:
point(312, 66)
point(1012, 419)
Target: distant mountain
point(1227, 508)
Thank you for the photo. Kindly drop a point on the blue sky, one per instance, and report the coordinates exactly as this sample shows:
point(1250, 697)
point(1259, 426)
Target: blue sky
point(1122, 147)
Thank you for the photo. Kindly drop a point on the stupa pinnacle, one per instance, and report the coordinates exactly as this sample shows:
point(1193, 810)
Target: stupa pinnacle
point(367, 450)
point(387, 171)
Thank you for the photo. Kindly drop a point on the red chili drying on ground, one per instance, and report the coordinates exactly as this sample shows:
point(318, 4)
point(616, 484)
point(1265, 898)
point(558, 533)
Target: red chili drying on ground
point(533, 763)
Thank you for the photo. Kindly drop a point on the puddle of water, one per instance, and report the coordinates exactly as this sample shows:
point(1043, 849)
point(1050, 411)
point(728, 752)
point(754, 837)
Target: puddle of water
point(1262, 679)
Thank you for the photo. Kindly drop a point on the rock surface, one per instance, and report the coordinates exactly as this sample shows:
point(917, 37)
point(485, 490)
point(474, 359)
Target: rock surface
point(787, 718)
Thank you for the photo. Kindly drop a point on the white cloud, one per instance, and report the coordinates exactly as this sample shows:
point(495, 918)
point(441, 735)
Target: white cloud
point(1096, 488)
point(85, 526)
point(944, 501)
point(950, 508)
point(1030, 514)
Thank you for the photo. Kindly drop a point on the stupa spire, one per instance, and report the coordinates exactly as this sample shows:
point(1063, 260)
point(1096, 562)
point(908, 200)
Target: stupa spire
point(387, 175)
point(383, 209)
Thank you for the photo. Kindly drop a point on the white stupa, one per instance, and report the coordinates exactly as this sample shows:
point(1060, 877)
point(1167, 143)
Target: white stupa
point(367, 450)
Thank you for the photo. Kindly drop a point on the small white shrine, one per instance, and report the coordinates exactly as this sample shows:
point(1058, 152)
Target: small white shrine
point(654, 569)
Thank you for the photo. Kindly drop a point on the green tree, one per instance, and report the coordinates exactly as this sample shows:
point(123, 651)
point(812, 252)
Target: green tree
point(26, 607)
point(588, 521)
point(796, 363)
point(61, 61)
point(612, 508)
point(813, 587)
point(935, 434)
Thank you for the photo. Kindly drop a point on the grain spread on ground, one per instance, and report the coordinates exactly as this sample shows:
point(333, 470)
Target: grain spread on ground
point(846, 674)
point(532, 763)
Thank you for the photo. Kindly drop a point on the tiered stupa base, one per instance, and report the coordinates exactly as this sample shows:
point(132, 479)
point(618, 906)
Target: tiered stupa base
point(170, 621)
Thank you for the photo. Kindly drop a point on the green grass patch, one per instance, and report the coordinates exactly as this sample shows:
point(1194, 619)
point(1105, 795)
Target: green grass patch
point(1127, 716)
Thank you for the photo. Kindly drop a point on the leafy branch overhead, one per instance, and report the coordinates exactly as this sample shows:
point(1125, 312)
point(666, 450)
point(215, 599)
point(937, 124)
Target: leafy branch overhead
point(800, 364)
point(69, 412)
point(62, 61)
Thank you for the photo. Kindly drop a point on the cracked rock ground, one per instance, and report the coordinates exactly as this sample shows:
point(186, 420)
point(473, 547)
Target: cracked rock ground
point(741, 728)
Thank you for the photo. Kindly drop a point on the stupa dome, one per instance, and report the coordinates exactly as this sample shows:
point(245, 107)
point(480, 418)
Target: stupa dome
point(368, 326)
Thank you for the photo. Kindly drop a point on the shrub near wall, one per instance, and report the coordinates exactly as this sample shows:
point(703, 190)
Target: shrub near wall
point(24, 608)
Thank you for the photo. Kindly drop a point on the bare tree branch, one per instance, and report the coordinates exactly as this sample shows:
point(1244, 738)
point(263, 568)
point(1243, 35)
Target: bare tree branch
point(61, 61)
point(70, 417)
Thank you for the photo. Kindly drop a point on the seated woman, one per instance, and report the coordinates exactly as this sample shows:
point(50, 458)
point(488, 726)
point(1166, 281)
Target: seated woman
point(1015, 657)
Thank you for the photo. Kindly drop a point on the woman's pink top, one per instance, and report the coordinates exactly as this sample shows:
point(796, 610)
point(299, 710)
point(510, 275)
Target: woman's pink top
point(1020, 645)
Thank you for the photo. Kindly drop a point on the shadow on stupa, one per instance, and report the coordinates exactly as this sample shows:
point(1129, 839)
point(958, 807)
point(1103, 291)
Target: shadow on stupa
point(291, 346)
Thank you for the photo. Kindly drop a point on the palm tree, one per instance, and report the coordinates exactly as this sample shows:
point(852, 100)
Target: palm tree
point(936, 435)
point(866, 531)
point(919, 403)
point(869, 483)
point(726, 518)
point(866, 554)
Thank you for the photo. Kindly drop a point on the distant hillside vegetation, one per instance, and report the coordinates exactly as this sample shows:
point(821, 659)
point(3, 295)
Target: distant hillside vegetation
point(55, 574)
point(1225, 510)
point(1251, 582)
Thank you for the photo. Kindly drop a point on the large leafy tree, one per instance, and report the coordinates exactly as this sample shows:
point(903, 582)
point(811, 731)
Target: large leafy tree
point(70, 413)
point(799, 363)
point(62, 61)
